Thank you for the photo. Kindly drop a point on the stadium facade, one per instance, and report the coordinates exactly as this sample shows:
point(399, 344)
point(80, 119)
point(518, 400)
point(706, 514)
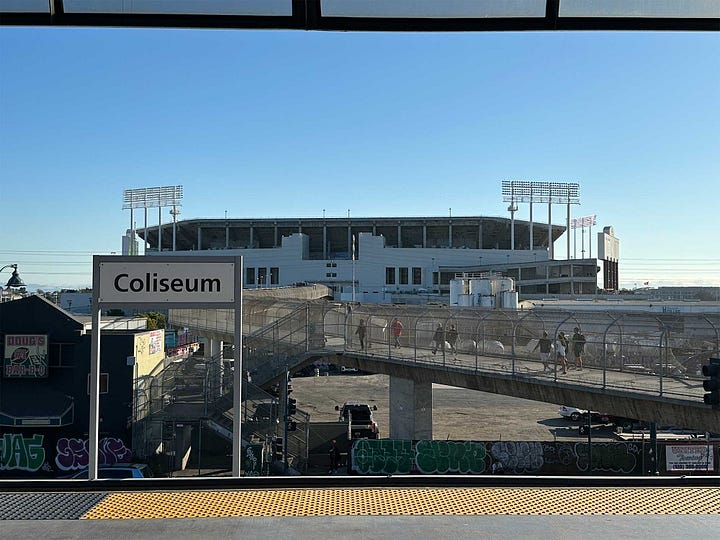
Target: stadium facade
point(382, 259)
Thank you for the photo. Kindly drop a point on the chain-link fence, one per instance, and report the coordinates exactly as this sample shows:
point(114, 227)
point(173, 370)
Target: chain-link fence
point(657, 354)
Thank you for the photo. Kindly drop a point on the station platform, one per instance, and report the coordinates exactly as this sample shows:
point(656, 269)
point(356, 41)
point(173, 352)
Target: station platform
point(434, 501)
point(189, 511)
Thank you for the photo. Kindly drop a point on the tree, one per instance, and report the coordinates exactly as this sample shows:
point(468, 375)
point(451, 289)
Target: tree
point(155, 321)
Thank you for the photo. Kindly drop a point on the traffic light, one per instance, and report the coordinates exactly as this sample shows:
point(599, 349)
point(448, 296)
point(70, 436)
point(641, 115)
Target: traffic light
point(712, 384)
point(277, 449)
point(292, 406)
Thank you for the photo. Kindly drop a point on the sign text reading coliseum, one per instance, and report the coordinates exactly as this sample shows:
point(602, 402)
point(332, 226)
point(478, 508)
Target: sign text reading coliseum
point(152, 283)
point(141, 280)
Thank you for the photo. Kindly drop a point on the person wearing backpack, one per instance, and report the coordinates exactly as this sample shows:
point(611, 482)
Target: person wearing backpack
point(578, 340)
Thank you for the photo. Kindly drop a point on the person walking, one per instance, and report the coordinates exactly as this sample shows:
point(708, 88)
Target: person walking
point(397, 328)
point(578, 340)
point(361, 333)
point(451, 337)
point(438, 339)
point(545, 345)
point(561, 344)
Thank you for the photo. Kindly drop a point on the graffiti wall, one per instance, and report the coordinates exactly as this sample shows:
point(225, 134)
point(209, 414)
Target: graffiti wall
point(30, 455)
point(387, 456)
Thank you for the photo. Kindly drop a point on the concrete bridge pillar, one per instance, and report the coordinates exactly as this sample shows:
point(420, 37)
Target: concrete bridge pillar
point(410, 409)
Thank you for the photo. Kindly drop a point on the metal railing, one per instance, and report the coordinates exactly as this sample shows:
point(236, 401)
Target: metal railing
point(643, 352)
point(651, 353)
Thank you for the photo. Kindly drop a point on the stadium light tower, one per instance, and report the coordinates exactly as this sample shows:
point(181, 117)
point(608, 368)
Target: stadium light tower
point(524, 191)
point(581, 223)
point(156, 197)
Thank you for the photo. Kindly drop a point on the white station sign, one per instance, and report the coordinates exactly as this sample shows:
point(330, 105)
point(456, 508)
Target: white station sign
point(167, 282)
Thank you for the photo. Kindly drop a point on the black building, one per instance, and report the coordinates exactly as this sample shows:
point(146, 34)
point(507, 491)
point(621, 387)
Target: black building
point(44, 399)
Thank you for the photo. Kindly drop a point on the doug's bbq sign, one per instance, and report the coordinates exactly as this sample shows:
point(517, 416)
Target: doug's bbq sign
point(26, 356)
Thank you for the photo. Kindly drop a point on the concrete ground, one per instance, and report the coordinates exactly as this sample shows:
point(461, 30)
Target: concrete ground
point(458, 413)
point(364, 527)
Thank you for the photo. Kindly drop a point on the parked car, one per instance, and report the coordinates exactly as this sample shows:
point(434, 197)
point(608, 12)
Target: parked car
point(360, 420)
point(576, 414)
point(119, 470)
point(572, 413)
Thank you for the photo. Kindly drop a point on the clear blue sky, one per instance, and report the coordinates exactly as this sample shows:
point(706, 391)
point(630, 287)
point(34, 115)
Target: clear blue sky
point(275, 123)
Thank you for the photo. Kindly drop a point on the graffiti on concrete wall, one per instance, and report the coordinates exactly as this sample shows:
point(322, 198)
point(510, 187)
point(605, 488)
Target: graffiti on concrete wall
point(558, 454)
point(439, 457)
point(608, 457)
point(18, 452)
point(382, 456)
point(387, 456)
point(72, 454)
point(518, 456)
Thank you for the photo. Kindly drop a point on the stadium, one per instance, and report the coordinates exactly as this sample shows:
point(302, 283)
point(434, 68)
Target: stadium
point(390, 259)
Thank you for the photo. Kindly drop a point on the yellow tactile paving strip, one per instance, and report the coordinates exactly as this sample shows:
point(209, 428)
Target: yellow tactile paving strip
point(408, 502)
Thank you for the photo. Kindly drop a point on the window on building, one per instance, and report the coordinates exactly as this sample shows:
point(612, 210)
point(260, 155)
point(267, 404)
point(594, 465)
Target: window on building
point(104, 382)
point(435, 278)
point(403, 276)
point(262, 276)
point(389, 276)
point(249, 276)
point(417, 276)
point(274, 276)
point(331, 265)
point(331, 274)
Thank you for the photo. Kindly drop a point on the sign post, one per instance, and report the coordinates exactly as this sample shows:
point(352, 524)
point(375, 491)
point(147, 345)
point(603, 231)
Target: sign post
point(179, 282)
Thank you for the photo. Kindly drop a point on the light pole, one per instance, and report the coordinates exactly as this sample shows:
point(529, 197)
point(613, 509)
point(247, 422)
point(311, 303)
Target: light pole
point(353, 265)
point(14, 280)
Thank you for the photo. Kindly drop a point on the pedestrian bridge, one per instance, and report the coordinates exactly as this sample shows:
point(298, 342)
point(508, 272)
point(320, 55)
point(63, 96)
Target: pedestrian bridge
point(636, 365)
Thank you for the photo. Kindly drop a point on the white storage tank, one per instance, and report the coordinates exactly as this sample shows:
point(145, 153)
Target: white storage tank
point(504, 284)
point(482, 287)
point(487, 301)
point(508, 299)
point(465, 300)
point(458, 287)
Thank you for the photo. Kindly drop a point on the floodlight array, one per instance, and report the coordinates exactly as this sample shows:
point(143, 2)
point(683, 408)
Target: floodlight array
point(586, 221)
point(538, 191)
point(152, 197)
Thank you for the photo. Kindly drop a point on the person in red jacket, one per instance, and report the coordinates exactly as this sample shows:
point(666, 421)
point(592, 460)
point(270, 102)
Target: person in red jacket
point(397, 328)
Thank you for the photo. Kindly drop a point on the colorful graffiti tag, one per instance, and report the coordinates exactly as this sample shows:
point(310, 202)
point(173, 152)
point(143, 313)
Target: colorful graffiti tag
point(439, 457)
point(27, 453)
point(388, 456)
point(18, 452)
point(252, 460)
point(72, 454)
point(382, 456)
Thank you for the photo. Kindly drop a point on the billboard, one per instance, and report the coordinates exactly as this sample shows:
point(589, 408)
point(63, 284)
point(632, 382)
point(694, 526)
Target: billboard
point(690, 457)
point(26, 356)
